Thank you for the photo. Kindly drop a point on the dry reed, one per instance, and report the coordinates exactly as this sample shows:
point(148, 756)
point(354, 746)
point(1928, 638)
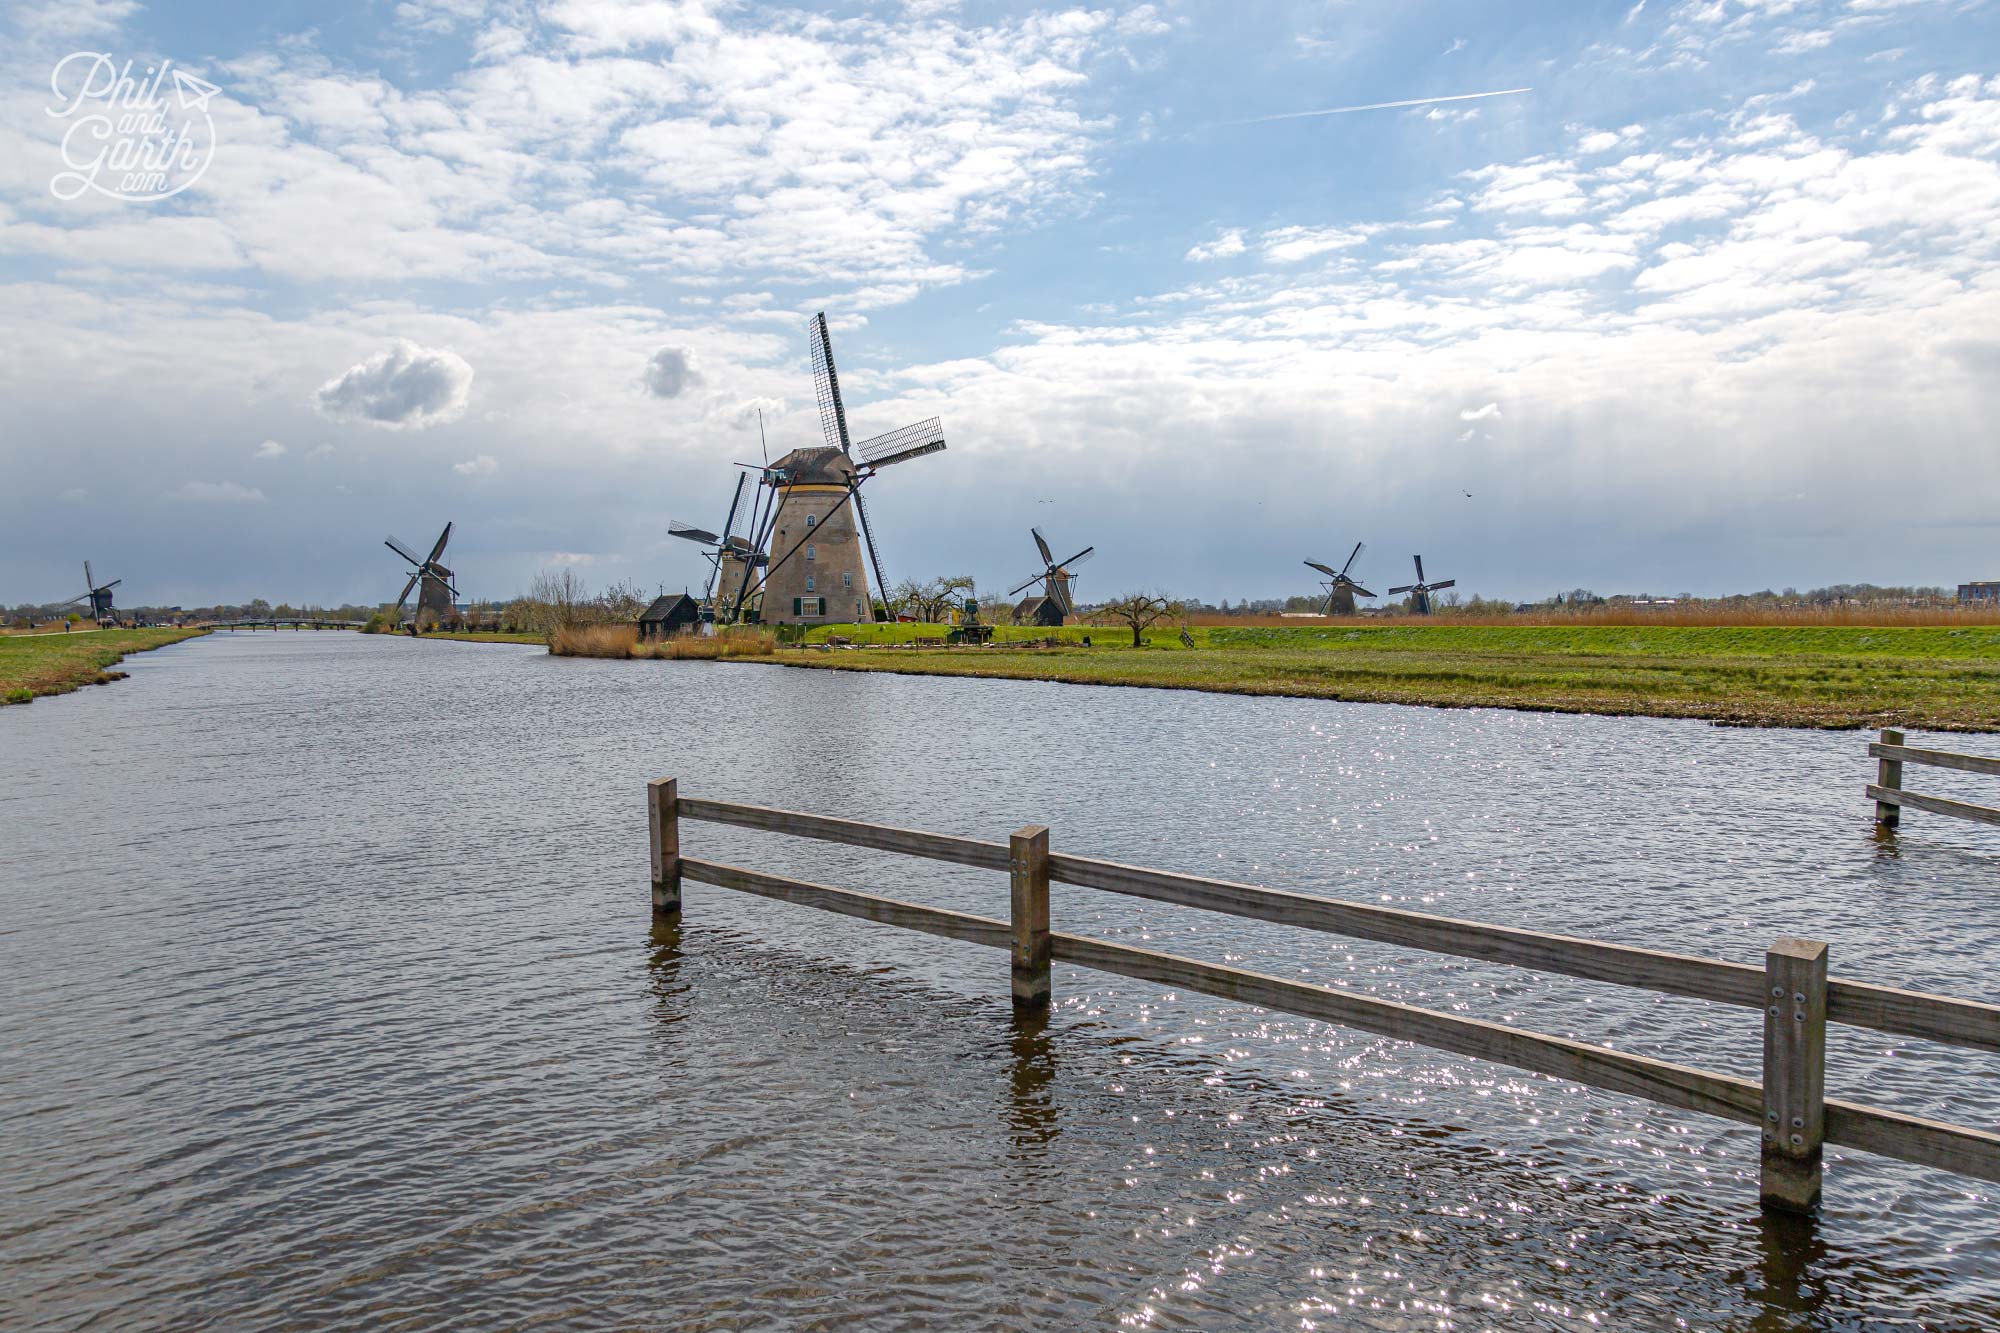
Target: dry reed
point(623, 641)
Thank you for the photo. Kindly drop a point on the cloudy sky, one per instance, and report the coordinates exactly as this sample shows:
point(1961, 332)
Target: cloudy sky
point(1705, 297)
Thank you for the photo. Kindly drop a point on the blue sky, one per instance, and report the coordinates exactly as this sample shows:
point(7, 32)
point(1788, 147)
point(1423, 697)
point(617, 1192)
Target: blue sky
point(1712, 306)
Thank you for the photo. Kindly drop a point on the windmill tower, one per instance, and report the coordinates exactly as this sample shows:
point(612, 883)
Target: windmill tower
point(434, 602)
point(97, 594)
point(1341, 589)
point(815, 529)
point(1055, 604)
point(1420, 591)
point(731, 557)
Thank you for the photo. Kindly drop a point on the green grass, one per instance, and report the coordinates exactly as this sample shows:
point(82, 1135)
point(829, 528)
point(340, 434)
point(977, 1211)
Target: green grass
point(34, 665)
point(1936, 678)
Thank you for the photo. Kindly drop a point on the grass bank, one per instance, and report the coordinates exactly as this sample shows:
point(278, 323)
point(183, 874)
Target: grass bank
point(1944, 678)
point(34, 665)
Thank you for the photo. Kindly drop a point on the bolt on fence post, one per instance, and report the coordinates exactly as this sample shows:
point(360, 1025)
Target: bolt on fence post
point(663, 811)
point(1794, 1075)
point(1028, 869)
point(1889, 773)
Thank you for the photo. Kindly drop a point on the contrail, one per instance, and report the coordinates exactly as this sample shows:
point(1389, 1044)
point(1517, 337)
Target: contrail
point(1380, 106)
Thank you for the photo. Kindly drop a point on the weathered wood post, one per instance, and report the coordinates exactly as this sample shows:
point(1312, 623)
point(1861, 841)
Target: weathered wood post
point(1028, 868)
point(664, 821)
point(1794, 1074)
point(1889, 773)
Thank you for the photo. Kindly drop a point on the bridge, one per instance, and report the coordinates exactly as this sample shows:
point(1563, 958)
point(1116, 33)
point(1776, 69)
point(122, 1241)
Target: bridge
point(276, 622)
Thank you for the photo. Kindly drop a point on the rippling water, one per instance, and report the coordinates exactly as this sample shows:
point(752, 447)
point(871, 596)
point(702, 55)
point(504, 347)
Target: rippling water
point(331, 998)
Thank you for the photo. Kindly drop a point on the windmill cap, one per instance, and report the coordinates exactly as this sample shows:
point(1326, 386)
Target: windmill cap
point(822, 466)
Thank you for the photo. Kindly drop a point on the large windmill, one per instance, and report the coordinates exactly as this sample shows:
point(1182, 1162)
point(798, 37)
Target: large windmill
point(434, 602)
point(1341, 589)
point(97, 594)
point(1420, 591)
point(1055, 604)
point(813, 527)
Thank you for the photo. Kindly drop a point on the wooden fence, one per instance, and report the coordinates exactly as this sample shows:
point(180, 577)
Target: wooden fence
point(1887, 789)
point(1792, 989)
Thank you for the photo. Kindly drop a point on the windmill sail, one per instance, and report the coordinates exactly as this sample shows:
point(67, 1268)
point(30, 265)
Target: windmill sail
point(826, 385)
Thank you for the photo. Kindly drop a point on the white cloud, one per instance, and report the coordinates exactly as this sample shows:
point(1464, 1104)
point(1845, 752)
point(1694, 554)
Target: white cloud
point(1490, 412)
point(320, 451)
point(480, 465)
point(269, 449)
point(1225, 246)
point(402, 387)
point(219, 492)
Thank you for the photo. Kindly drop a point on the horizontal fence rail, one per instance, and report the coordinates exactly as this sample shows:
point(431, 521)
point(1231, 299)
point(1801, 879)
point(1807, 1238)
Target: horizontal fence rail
point(1792, 989)
point(1887, 790)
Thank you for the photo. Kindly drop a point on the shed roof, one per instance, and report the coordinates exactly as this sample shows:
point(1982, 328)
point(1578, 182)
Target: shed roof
point(665, 606)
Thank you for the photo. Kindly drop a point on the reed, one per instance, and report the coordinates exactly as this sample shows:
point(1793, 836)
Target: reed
point(594, 641)
point(623, 641)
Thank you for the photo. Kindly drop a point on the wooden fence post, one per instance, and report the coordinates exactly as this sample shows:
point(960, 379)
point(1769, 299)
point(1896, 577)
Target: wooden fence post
point(1028, 869)
point(1889, 773)
point(1794, 1074)
point(664, 820)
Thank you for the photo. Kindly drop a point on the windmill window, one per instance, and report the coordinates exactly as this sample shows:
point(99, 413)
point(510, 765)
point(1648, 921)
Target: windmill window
point(812, 520)
point(812, 552)
point(847, 580)
point(812, 584)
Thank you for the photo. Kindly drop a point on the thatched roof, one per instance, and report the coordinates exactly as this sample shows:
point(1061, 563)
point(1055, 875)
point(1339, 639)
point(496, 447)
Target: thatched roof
point(823, 466)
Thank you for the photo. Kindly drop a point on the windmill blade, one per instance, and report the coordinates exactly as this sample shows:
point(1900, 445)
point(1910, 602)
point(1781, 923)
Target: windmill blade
point(1444, 583)
point(1078, 558)
point(902, 444)
point(1042, 544)
point(88, 581)
point(1420, 568)
point(403, 551)
point(109, 586)
point(1355, 555)
point(438, 550)
point(1059, 588)
point(1327, 570)
point(676, 528)
point(734, 502)
point(826, 385)
point(1359, 591)
point(1407, 587)
point(406, 591)
point(1027, 583)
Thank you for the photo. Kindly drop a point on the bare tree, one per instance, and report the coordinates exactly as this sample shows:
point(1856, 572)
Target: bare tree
point(556, 601)
point(932, 600)
point(1137, 611)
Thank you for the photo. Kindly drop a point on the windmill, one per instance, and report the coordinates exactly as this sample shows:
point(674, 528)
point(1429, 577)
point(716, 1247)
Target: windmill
point(731, 556)
point(1420, 591)
point(99, 595)
point(812, 546)
point(438, 592)
point(1341, 589)
point(1055, 604)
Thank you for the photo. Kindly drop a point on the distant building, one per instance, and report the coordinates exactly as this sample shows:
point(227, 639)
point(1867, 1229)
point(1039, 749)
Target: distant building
point(668, 616)
point(1044, 611)
point(1985, 591)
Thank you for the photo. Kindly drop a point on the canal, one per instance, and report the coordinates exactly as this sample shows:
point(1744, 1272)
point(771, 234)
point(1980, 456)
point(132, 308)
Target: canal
point(331, 998)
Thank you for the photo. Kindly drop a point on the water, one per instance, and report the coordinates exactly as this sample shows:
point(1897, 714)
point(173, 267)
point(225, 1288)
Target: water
point(331, 998)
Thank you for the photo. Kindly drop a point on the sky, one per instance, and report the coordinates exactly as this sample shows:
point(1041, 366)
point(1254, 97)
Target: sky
point(1671, 296)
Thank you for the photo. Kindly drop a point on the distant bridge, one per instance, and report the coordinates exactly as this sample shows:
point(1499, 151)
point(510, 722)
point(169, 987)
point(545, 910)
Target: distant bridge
point(276, 622)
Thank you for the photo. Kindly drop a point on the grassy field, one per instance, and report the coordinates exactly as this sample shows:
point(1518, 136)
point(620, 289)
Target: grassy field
point(58, 663)
point(1922, 677)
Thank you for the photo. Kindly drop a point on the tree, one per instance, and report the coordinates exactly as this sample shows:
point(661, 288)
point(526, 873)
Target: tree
point(1138, 612)
point(930, 601)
